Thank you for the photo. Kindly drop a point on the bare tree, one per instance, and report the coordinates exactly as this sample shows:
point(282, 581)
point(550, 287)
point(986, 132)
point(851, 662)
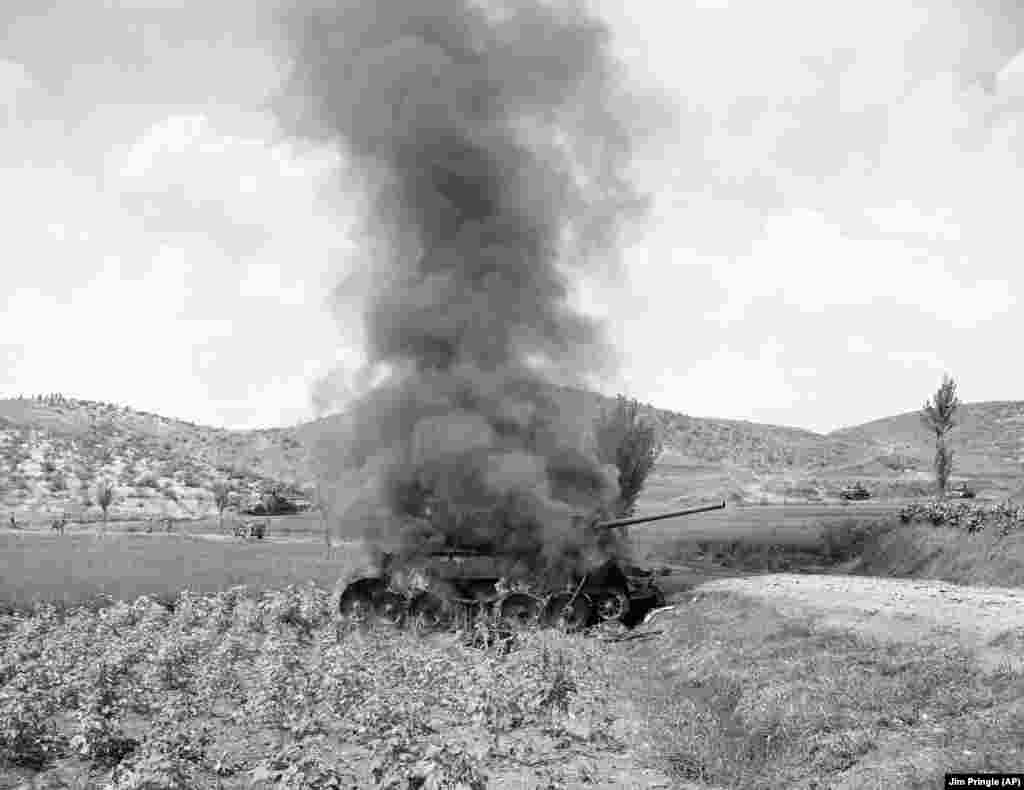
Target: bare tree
point(631, 444)
point(221, 498)
point(323, 507)
point(104, 498)
point(318, 465)
point(939, 416)
point(269, 499)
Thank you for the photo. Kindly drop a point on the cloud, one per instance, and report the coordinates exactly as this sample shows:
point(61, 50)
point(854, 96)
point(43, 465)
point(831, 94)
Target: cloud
point(195, 318)
point(807, 262)
point(928, 359)
point(1009, 80)
point(15, 85)
point(742, 384)
point(847, 186)
point(856, 344)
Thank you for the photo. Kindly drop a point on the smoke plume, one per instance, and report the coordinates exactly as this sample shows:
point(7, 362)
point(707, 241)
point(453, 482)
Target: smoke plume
point(488, 147)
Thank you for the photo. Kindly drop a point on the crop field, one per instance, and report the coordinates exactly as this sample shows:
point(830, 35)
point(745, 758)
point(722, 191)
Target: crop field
point(235, 691)
point(273, 691)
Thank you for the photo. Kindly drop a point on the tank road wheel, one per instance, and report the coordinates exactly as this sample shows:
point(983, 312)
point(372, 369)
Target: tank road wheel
point(430, 612)
point(367, 600)
point(356, 604)
point(389, 608)
point(519, 610)
point(566, 614)
point(611, 605)
point(467, 614)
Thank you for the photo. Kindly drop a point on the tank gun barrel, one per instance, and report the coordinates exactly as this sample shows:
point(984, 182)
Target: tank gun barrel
point(626, 522)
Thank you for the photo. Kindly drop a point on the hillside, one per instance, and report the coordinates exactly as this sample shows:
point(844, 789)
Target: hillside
point(988, 443)
point(53, 451)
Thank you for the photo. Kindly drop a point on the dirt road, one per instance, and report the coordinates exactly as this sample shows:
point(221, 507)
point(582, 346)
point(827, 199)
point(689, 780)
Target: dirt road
point(988, 621)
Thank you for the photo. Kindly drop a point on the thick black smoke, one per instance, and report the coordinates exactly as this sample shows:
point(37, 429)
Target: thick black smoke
point(489, 146)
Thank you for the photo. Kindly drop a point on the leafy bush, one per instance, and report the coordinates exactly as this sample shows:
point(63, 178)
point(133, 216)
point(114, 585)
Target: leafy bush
point(27, 735)
point(845, 540)
point(426, 713)
point(1004, 517)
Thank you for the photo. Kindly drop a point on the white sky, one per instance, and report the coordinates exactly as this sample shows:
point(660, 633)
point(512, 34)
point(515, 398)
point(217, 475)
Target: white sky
point(836, 223)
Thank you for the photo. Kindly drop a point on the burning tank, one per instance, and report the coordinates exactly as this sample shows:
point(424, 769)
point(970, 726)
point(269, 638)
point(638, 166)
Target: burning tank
point(443, 583)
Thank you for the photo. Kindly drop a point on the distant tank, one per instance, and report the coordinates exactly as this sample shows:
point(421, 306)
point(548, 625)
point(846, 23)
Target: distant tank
point(445, 584)
point(961, 491)
point(854, 492)
point(274, 504)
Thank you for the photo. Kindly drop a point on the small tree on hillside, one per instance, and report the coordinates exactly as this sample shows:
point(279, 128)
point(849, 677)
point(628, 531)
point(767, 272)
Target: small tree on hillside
point(221, 498)
point(269, 499)
point(939, 416)
point(104, 498)
point(322, 503)
point(318, 462)
point(631, 445)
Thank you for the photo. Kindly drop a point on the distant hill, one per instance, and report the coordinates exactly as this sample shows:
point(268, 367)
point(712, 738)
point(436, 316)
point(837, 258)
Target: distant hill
point(988, 444)
point(753, 462)
point(53, 451)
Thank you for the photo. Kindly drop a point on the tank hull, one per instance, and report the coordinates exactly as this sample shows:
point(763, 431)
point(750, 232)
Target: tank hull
point(445, 584)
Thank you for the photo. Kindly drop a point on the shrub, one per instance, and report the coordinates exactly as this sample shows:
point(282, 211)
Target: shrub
point(845, 540)
point(27, 736)
point(1004, 517)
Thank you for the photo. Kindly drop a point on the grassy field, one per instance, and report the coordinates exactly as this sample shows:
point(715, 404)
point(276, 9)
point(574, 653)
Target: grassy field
point(303, 524)
point(76, 568)
point(39, 565)
point(790, 528)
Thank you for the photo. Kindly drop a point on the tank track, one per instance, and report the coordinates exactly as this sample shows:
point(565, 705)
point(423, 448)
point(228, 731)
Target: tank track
point(374, 601)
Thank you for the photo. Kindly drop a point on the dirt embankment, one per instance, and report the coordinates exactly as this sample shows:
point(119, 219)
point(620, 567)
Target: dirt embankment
point(988, 621)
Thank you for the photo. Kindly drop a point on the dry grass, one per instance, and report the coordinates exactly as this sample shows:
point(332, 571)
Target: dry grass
point(738, 696)
point(766, 539)
point(946, 553)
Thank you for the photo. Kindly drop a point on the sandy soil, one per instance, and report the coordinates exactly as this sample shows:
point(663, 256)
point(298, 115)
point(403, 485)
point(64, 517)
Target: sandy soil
point(988, 621)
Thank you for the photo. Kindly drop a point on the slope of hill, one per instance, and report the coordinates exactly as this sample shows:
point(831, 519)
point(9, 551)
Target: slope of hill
point(746, 461)
point(53, 451)
point(988, 443)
